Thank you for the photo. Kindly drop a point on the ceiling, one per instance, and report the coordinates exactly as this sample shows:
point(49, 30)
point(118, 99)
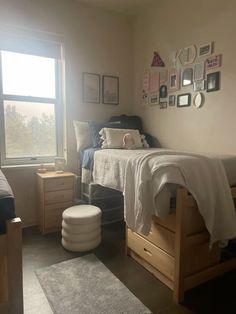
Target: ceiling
point(123, 6)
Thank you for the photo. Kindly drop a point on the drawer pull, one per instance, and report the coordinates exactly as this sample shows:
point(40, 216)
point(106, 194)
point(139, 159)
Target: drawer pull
point(147, 252)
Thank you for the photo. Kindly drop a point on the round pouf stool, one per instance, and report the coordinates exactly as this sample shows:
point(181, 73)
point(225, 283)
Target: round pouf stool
point(81, 228)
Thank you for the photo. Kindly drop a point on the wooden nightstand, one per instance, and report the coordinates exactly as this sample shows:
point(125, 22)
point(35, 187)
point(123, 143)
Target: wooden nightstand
point(56, 192)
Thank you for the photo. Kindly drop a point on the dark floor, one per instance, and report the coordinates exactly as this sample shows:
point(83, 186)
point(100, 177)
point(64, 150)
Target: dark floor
point(216, 296)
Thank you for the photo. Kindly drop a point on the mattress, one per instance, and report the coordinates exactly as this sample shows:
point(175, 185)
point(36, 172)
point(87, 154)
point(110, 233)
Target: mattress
point(7, 210)
point(117, 159)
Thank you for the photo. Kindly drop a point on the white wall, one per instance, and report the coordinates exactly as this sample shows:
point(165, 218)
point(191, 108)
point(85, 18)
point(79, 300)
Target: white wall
point(95, 41)
point(171, 25)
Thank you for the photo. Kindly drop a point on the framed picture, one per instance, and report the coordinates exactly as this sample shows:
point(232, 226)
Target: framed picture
point(213, 81)
point(187, 77)
point(163, 91)
point(163, 104)
point(184, 100)
point(199, 71)
point(171, 100)
point(91, 88)
point(110, 90)
point(174, 80)
point(213, 62)
point(153, 99)
point(163, 77)
point(205, 50)
point(199, 85)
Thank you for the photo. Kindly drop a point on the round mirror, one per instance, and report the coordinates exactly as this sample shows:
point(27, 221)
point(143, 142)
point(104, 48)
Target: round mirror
point(187, 55)
point(198, 100)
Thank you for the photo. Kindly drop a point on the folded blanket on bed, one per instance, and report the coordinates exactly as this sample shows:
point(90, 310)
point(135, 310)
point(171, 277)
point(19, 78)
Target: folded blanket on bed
point(146, 190)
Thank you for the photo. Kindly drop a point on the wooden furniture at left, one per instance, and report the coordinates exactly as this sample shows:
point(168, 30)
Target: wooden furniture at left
point(56, 192)
point(11, 287)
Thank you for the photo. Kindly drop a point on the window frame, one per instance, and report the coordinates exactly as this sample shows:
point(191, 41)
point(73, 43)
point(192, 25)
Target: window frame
point(58, 107)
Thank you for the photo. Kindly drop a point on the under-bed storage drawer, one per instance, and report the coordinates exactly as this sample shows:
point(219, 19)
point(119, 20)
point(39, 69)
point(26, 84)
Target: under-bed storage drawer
point(112, 215)
point(161, 237)
point(194, 221)
point(156, 257)
point(200, 256)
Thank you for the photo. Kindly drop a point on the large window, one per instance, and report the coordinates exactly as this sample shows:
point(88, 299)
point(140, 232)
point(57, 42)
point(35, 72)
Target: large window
point(30, 118)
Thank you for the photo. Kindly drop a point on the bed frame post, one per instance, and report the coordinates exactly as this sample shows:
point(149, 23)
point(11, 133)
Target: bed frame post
point(180, 237)
point(12, 286)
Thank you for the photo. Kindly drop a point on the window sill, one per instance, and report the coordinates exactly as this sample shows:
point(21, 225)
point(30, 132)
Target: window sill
point(48, 166)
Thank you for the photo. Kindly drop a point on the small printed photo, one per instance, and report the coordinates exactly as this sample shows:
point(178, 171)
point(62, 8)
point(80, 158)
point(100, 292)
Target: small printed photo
point(199, 85)
point(163, 105)
point(172, 100)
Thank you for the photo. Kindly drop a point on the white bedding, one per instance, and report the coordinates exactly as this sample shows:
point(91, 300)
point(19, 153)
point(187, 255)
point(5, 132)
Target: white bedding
point(205, 178)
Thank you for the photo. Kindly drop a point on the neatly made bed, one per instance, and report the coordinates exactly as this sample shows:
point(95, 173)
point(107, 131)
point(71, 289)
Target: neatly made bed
point(11, 290)
point(176, 250)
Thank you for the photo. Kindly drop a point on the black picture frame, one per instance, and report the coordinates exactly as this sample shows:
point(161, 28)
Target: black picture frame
point(184, 100)
point(91, 88)
point(213, 82)
point(110, 90)
point(163, 91)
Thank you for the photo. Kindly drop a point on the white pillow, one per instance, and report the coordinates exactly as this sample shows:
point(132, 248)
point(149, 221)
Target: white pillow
point(113, 138)
point(82, 134)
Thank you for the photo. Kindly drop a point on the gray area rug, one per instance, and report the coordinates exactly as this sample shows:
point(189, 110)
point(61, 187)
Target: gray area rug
point(85, 286)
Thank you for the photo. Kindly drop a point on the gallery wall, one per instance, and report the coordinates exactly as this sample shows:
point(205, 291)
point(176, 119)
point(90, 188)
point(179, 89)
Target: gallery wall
point(168, 27)
point(96, 41)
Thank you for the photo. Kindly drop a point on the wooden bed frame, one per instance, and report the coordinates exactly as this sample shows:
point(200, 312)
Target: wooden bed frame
point(176, 250)
point(11, 288)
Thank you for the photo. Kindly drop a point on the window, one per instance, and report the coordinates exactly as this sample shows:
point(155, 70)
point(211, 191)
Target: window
point(30, 116)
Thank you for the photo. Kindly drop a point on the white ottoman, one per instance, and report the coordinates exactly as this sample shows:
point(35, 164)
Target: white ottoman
point(81, 228)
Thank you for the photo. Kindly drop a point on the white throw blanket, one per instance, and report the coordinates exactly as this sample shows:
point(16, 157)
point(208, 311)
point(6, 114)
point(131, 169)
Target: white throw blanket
point(146, 190)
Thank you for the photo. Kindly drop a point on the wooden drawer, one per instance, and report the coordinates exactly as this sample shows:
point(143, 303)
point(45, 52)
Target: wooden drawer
point(56, 184)
point(200, 256)
point(53, 219)
point(162, 238)
point(53, 215)
point(59, 196)
point(168, 222)
point(152, 254)
point(194, 221)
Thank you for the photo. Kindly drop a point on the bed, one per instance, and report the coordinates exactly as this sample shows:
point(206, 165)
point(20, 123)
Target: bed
point(176, 250)
point(11, 290)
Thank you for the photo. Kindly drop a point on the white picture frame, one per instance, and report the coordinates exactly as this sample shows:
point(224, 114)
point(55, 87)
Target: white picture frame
point(187, 55)
point(91, 88)
point(199, 71)
point(199, 85)
point(110, 90)
point(205, 49)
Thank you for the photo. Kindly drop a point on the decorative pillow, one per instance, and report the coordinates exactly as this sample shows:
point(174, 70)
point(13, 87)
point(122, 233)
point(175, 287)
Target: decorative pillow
point(95, 128)
point(82, 134)
point(144, 141)
point(113, 138)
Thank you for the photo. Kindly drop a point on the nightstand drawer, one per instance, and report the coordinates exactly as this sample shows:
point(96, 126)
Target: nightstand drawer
point(56, 184)
point(59, 196)
point(53, 219)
